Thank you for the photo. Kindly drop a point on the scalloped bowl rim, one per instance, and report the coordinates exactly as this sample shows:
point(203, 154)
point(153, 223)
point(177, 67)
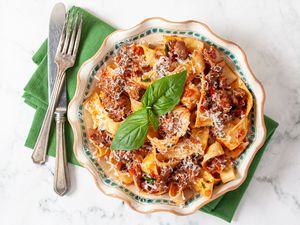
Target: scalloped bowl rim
point(85, 71)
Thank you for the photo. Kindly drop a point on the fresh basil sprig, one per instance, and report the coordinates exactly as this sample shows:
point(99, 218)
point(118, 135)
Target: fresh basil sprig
point(153, 119)
point(164, 94)
point(160, 98)
point(132, 132)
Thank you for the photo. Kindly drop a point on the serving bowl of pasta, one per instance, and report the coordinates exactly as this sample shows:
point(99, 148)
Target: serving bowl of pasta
point(167, 116)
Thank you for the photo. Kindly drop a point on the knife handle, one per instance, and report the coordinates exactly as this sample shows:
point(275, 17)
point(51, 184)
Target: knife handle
point(41, 145)
point(61, 173)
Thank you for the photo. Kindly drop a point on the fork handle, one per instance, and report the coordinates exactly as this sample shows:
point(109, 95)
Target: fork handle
point(40, 148)
point(61, 173)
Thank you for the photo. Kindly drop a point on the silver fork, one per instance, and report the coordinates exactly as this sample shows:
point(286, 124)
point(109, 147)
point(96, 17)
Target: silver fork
point(65, 59)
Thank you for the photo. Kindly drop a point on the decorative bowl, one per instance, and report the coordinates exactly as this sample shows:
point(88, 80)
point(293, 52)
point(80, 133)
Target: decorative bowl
point(151, 30)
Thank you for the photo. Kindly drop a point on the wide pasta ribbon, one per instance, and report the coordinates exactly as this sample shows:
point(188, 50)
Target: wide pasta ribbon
point(235, 132)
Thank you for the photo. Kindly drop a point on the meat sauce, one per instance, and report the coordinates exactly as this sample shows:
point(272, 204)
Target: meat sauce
point(168, 125)
point(117, 90)
point(100, 137)
point(222, 101)
point(187, 170)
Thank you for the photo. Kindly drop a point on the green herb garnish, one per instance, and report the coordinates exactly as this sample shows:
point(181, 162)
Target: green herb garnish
point(164, 94)
point(153, 119)
point(160, 98)
point(132, 132)
point(166, 49)
point(146, 79)
point(149, 180)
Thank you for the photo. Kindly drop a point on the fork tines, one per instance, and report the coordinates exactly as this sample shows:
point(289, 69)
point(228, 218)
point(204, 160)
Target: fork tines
point(70, 37)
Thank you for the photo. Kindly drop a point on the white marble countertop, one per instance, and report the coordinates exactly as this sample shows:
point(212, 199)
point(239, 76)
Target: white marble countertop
point(269, 31)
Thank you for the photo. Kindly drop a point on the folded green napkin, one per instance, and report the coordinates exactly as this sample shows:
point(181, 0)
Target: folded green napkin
point(36, 95)
point(94, 31)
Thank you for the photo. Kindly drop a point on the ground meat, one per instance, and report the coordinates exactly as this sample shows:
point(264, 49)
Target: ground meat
point(217, 164)
point(168, 125)
point(221, 101)
point(127, 157)
point(231, 100)
point(181, 50)
point(190, 96)
point(215, 78)
point(197, 81)
point(219, 105)
point(206, 69)
point(131, 160)
point(109, 83)
point(100, 137)
point(177, 50)
point(115, 101)
point(223, 82)
point(173, 66)
point(137, 50)
point(131, 60)
point(117, 110)
point(218, 102)
point(134, 90)
point(211, 55)
point(165, 172)
point(162, 66)
point(239, 100)
point(239, 96)
point(187, 170)
point(134, 169)
point(211, 138)
point(159, 183)
point(155, 186)
point(123, 57)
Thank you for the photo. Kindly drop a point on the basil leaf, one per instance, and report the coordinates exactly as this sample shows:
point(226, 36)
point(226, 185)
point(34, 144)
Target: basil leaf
point(153, 119)
point(160, 97)
point(164, 94)
point(132, 132)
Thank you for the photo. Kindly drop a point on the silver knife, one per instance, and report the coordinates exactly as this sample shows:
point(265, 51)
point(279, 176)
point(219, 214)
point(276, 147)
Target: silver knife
point(61, 173)
point(55, 29)
point(56, 24)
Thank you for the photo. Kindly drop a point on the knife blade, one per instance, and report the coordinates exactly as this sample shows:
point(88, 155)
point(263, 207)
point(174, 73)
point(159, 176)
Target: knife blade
point(61, 172)
point(55, 28)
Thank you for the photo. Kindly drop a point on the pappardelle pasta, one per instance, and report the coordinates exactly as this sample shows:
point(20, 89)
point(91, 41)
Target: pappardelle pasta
point(197, 142)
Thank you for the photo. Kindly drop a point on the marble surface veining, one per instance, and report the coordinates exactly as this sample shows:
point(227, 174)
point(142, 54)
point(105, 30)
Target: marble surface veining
point(269, 31)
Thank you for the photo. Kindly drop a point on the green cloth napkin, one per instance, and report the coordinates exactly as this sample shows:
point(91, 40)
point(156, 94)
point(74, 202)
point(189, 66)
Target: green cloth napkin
point(36, 95)
point(94, 31)
point(225, 206)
